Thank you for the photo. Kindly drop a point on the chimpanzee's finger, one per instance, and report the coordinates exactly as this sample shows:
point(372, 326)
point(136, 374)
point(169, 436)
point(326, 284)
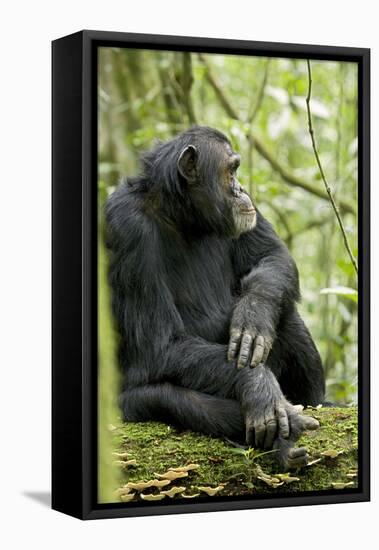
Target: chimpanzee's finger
point(235, 337)
point(260, 433)
point(295, 452)
point(271, 429)
point(298, 408)
point(259, 348)
point(310, 423)
point(268, 346)
point(298, 462)
point(266, 351)
point(284, 429)
point(245, 349)
point(297, 457)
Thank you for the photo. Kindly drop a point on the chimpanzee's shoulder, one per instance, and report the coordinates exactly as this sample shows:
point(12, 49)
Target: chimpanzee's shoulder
point(126, 220)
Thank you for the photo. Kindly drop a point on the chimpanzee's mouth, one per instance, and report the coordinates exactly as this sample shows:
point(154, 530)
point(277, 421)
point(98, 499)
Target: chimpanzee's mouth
point(248, 211)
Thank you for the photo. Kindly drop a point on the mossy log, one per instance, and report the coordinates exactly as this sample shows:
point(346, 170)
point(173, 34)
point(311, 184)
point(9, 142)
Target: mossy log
point(144, 450)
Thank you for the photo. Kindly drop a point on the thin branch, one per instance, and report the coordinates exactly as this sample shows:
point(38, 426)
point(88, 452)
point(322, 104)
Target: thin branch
point(228, 108)
point(253, 112)
point(286, 175)
point(327, 187)
point(169, 98)
point(261, 93)
point(291, 178)
point(187, 81)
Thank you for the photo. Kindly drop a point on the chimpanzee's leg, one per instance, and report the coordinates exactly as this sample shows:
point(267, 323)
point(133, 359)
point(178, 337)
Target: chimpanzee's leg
point(296, 362)
point(184, 408)
point(200, 412)
point(195, 386)
point(199, 365)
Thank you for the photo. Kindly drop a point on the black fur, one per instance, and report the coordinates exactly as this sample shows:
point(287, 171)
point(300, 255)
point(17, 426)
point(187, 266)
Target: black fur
point(181, 281)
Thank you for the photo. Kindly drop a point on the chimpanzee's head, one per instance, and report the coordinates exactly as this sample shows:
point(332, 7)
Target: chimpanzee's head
point(196, 177)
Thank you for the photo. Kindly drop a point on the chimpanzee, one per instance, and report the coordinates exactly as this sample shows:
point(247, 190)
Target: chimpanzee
point(204, 294)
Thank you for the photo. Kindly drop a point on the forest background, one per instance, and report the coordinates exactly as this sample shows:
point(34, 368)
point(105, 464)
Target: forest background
point(260, 104)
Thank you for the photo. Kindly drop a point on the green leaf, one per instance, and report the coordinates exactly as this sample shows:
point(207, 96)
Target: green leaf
point(238, 451)
point(345, 291)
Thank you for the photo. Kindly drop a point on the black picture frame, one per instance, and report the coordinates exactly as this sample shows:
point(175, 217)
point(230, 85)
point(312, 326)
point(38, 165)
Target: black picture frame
point(74, 271)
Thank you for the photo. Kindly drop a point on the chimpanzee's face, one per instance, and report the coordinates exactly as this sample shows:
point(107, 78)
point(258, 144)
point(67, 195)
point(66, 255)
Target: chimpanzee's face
point(210, 169)
point(244, 213)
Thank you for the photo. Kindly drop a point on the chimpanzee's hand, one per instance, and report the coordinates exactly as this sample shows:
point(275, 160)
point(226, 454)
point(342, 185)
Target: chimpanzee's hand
point(282, 423)
point(251, 334)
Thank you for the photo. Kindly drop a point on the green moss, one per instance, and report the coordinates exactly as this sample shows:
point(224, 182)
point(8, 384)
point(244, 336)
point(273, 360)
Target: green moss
point(157, 447)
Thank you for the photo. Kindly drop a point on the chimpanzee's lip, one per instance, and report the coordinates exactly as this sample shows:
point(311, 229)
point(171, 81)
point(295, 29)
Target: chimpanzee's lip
point(248, 211)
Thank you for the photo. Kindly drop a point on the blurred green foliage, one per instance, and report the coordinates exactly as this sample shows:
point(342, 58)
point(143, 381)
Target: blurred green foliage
point(148, 95)
point(108, 384)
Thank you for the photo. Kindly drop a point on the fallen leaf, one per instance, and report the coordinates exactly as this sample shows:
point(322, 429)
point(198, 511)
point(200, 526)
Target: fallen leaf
point(185, 468)
point(211, 491)
point(171, 475)
point(127, 497)
point(173, 491)
point(122, 456)
point(140, 485)
point(287, 478)
point(263, 476)
point(351, 476)
point(341, 485)
point(152, 497)
point(122, 491)
point(312, 462)
point(272, 482)
point(331, 453)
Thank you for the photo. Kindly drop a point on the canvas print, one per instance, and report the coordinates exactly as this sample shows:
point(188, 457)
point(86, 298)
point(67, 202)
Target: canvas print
point(227, 276)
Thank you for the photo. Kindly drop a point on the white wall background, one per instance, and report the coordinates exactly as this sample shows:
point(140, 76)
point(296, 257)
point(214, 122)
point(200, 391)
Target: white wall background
point(26, 31)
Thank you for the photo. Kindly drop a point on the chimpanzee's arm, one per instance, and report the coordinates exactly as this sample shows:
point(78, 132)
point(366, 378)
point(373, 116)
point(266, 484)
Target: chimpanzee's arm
point(269, 285)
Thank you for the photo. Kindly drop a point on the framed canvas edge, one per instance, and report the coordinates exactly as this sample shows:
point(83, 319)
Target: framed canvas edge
point(91, 40)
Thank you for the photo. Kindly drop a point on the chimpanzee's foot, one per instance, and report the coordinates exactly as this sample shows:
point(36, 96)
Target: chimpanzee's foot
point(289, 456)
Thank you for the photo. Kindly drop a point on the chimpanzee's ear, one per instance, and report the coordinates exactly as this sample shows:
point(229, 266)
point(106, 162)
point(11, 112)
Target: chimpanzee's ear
point(187, 163)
